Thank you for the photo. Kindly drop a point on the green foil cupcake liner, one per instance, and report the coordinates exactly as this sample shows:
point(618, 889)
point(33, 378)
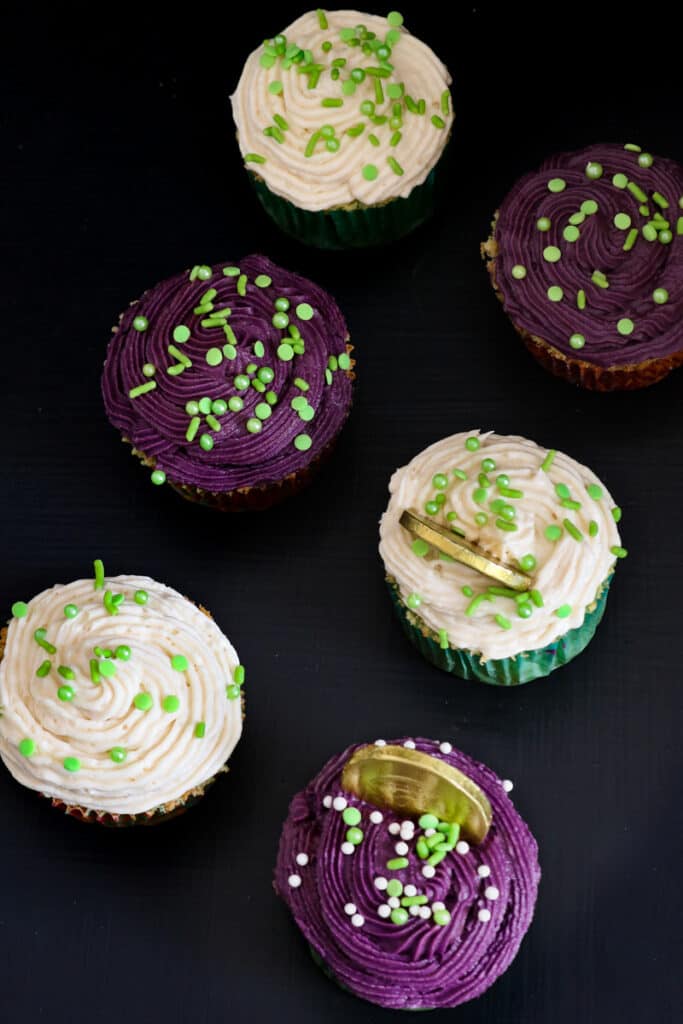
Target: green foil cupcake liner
point(514, 671)
point(354, 226)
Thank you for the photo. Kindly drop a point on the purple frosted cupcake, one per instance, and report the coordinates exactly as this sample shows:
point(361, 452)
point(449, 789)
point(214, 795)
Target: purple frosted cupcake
point(409, 872)
point(231, 382)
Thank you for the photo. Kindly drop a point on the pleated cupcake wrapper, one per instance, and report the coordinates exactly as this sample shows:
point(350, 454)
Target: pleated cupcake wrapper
point(514, 671)
point(629, 377)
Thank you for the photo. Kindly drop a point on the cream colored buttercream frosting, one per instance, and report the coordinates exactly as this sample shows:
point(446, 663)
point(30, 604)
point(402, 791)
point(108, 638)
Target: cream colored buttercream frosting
point(60, 741)
point(311, 154)
point(459, 480)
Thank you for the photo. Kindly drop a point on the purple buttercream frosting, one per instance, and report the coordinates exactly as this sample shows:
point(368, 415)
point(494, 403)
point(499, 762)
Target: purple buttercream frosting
point(637, 255)
point(419, 964)
point(301, 349)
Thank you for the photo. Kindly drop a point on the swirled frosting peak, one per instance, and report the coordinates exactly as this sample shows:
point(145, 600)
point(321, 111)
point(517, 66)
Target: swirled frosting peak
point(117, 695)
point(394, 918)
point(342, 107)
point(230, 376)
point(589, 254)
point(528, 507)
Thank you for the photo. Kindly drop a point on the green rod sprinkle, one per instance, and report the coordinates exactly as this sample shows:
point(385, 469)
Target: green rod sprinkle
point(142, 389)
point(548, 460)
point(475, 602)
point(445, 102)
point(636, 191)
point(630, 240)
point(322, 19)
point(330, 101)
point(379, 91)
point(242, 285)
point(395, 165)
point(180, 356)
point(254, 158)
point(438, 122)
point(312, 142)
point(192, 429)
point(98, 567)
point(572, 530)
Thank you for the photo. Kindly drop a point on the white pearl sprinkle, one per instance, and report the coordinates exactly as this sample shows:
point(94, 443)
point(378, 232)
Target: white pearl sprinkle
point(409, 890)
point(339, 803)
point(408, 824)
point(491, 893)
point(462, 847)
point(394, 828)
point(445, 748)
point(384, 910)
point(508, 785)
point(380, 743)
point(394, 902)
point(410, 744)
point(414, 911)
point(327, 801)
point(376, 817)
point(484, 915)
point(438, 905)
point(381, 883)
point(401, 849)
point(430, 831)
point(347, 848)
point(350, 909)
point(425, 913)
point(302, 859)
point(429, 871)
point(407, 833)
point(357, 920)
point(294, 881)
point(483, 871)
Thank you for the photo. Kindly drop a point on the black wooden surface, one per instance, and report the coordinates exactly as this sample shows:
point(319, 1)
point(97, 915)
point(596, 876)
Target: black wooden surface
point(120, 168)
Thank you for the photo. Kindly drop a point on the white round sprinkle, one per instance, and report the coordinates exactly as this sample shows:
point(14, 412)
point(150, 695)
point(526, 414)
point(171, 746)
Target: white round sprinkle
point(429, 871)
point(302, 859)
point(401, 849)
point(394, 828)
point(357, 920)
point(430, 831)
point(408, 825)
point(491, 893)
point(407, 833)
point(484, 915)
point(410, 744)
point(327, 801)
point(483, 871)
point(462, 847)
point(294, 881)
point(347, 848)
point(394, 902)
point(350, 909)
point(380, 743)
point(445, 748)
point(508, 785)
point(376, 817)
point(438, 905)
point(425, 913)
point(381, 883)
point(339, 803)
point(414, 911)
point(384, 910)
point(409, 890)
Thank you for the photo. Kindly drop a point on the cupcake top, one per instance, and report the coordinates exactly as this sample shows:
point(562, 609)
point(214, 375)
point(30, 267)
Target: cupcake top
point(229, 376)
point(590, 255)
point(395, 919)
point(342, 107)
point(530, 508)
point(117, 694)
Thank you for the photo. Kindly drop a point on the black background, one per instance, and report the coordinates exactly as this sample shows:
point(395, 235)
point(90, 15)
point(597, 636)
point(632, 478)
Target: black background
point(120, 168)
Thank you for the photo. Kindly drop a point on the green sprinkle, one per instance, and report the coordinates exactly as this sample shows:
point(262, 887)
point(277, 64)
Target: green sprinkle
point(107, 669)
point(27, 747)
point(420, 547)
point(503, 622)
point(118, 754)
point(679, 226)
point(40, 638)
point(577, 218)
point(619, 552)
point(179, 662)
point(143, 701)
point(557, 185)
point(636, 191)
point(254, 158)
point(373, 140)
point(645, 160)
point(142, 389)
point(43, 669)
point(622, 221)
point(581, 299)
point(395, 165)
point(141, 597)
point(395, 19)
point(140, 323)
point(551, 254)
point(620, 181)
point(527, 563)
point(571, 233)
point(625, 326)
point(438, 122)
point(577, 341)
point(555, 293)
point(394, 887)
point(589, 207)
point(572, 530)
point(632, 148)
point(481, 519)
point(593, 170)
point(594, 491)
point(200, 730)
point(304, 311)
point(122, 652)
point(214, 357)
point(472, 444)
point(71, 764)
point(536, 597)
point(66, 693)
point(436, 857)
point(331, 101)
point(414, 901)
point(553, 532)
point(232, 691)
point(548, 460)
point(649, 233)
point(665, 237)
point(262, 281)
point(149, 369)
point(467, 591)
point(20, 609)
point(66, 672)
point(369, 172)
point(302, 442)
point(460, 474)
point(475, 602)
point(518, 272)
point(397, 863)
point(399, 915)
point(570, 503)
point(443, 639)
point(379, 92)
point(563, 611)
point(414, 601)
point(351, 816)
point(630, 240)
point(170, 704)
point(593, 528)
point(509, 492)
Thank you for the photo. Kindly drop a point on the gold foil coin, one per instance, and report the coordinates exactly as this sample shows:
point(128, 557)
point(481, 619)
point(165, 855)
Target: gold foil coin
point(412, 783)
point(462, 551)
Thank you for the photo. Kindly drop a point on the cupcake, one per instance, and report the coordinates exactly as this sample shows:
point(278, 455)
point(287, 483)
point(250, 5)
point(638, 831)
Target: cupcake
point(231, 383)
point(498, 555)
point(586, 256)
point(341, 121)
point(121, 700)
point(409, 872)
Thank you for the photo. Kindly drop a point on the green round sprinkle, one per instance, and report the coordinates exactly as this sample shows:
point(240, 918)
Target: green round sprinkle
point(414, 601)
point(149, 369)
point(181, 334)
point(140, 323)
point(235, 404)
point(232, 691)
point(239, 674)
point(143, 701)
point(660, 296)
point(551, 254)
point(488, 465)
point(170, 703)
point(620, 181)
point(619, 552)
point(472, 444)
point(205, 405)
point(118, 754)
point(348, 88)
point(299, 402)
point(589, 207)
point(179, 662)
point(122, 652)
point(282, 304)
point(563, 611)
point(431, 508)
point(192, 408)
point(524, 610)
point(622, 221)
point(399, 915)
point(351, 816)
point(214, 357)
point(141, 597)
point(440, 499)
point(307, 413)
point(275, 88)
point(527, 563)
point(649, 232)
point(571, 233)
point(395, 19)
point(72, 764)
point(441, 917)
point(440, 481)
point(266, 374)
point(428, 821)
point(231, 271)
point(518, 272)
point(20, 609)
point(280, 320)
point(158, 477)
point(266, 60)
point(480, 495)
point(593, 170)
point(358, 74)
point(66, 693)
point(367, 107)
point(395, 887)
point(577, 341)
point(107, 669)
point(302, 442)
point(625, 326)
point(665, 237)
point(285, 352)
point(241, 382)
point(543, 223)
point(254, 425)
point(594, 491)
point(262, 281)
point(481, 519)
point(27, 747)
point(370, 172)
point(562, 491)
point(557, 185)
point(354, 836)
point(344, 361)
point(394, 91)
point(555, 293)
point(206, 442)
point(263, 410)
point(553, 532)
point(229, 351)
point(645, 160)
point(219, 407)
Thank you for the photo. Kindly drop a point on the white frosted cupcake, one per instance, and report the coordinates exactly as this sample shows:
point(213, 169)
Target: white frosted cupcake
point(121, 700)
point(498, 555)
point(341, 121)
